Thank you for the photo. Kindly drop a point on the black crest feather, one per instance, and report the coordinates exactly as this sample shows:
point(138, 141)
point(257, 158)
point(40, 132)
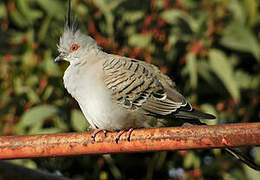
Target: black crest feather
point(68, 19)
point(71, 25)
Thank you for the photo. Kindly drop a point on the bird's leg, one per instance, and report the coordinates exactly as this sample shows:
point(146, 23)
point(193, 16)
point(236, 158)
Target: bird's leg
point(93, 135)
point(105, 132)
point(119, 135)
point(129, 132)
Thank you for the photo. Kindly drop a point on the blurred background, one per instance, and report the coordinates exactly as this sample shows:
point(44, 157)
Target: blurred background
point(211, 49)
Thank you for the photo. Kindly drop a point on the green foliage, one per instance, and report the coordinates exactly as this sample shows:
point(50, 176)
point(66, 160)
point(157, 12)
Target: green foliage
point(224, 70)
point(32, 121)
point(240, 39)
point(211, 49)
point(78, 121)
point(139, 40)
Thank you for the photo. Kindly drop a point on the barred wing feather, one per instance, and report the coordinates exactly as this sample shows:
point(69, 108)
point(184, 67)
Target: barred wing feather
point(137, 85)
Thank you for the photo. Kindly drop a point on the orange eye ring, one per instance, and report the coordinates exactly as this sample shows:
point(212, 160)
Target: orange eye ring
point(74, 47)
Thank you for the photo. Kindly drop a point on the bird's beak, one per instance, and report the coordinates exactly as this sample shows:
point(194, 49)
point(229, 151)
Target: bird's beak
point(58, 59)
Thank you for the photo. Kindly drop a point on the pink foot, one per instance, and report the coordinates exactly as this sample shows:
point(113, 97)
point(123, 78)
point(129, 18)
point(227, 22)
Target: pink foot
point(129, 132)
point(93, 135)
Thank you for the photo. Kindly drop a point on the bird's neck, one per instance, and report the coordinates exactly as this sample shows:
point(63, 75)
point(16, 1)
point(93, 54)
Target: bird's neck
point(87, 58)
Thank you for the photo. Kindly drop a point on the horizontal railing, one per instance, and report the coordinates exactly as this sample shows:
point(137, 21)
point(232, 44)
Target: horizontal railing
point(142, 140)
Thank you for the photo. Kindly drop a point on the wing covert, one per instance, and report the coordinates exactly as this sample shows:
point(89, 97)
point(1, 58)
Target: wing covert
point(137, 85)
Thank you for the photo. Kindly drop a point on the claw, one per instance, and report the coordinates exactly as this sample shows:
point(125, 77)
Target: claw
point(93, 135)
point(129, 132)
point(119, 135)
point(105, 133)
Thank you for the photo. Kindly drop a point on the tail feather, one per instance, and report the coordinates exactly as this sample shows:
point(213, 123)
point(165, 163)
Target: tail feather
point(237, 154)
point(194, 114)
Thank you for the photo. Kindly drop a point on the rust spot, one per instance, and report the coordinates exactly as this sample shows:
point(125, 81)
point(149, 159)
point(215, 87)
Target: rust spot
point(224, 141)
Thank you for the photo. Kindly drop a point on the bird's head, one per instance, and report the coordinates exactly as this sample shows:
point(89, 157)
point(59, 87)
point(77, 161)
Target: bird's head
point(74, 45)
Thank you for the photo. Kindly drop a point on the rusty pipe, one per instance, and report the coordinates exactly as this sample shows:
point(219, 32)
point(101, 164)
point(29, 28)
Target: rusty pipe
point(157, 139)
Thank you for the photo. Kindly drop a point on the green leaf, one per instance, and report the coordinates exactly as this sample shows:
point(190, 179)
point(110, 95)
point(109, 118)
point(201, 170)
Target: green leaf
point(174, 15)
point(238, 11)
point(189, 160)
point(28, 59)
point(32, 95)
point(130, 30)
point(82, 10)
point(246, 81)
point(49, 66)
point(224, 70)
point(29, 163)
point(132, 16)
point(204, 72)
point(140, 40)
point(18, 19)
point(189, 3)
point(47, 92)
point(237, 37)
point(61, 125)
point(54, 8)
point(3, 11)
point(107, 6)
point(52, 130)
point(18, 86)
point(251, 173)
point(17, 38)
point(257, 154)
point(78, 121)
point(29, 13)
point(193, 69)
point(159, 4)
point(44, 28)
point(173, 39)
point(32, 120)
point(252, 11)
point(32, 80)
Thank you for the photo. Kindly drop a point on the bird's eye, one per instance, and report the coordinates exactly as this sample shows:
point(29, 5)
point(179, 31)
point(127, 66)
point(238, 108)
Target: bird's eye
point(74, 47)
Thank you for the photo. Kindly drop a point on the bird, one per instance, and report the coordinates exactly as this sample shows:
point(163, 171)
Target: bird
point(117, 93)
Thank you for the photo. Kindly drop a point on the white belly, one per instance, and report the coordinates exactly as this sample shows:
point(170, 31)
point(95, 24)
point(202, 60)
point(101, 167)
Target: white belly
point(94, 99)
point(94, 102)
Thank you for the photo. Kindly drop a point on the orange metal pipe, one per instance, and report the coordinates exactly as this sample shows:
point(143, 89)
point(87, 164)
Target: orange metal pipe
point(157, 139)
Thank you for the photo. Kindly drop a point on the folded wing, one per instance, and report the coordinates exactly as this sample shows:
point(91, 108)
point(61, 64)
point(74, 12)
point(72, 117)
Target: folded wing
point(136, 84)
